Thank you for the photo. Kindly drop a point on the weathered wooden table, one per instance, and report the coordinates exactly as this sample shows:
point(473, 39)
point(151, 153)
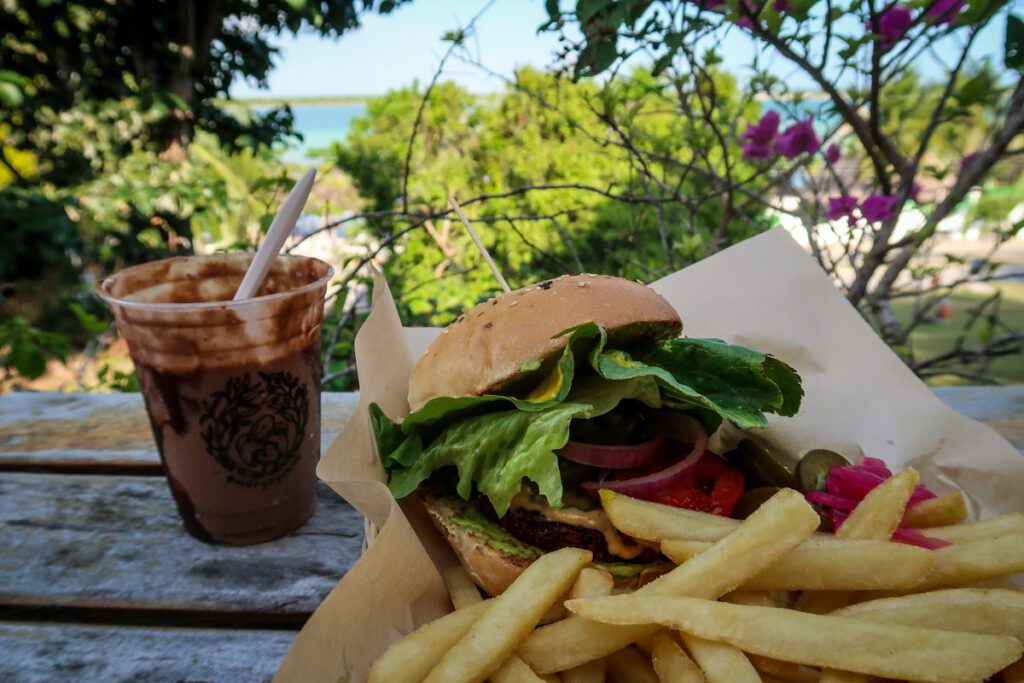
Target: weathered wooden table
point(98, 581)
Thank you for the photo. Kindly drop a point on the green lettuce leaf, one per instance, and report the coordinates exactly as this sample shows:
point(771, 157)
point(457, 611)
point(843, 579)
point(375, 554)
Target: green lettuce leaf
point(496, 451)
point(716, 379)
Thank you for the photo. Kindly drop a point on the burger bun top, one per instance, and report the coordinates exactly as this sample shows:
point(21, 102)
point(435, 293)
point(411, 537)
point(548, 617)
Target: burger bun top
point(491, 346)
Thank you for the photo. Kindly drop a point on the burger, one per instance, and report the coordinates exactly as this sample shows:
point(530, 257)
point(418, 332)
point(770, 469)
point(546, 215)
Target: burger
point(529, 404)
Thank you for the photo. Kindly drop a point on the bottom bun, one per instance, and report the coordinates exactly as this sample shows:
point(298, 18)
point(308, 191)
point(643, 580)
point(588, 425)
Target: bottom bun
point(493, 557)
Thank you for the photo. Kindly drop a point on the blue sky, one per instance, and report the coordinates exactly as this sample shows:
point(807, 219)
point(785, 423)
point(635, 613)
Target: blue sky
point(390, 51)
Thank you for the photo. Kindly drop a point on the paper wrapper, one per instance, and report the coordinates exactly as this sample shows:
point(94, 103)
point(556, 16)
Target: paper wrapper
point(766, 293)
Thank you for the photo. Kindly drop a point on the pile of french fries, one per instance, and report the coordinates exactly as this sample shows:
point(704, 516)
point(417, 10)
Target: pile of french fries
point(763, 599)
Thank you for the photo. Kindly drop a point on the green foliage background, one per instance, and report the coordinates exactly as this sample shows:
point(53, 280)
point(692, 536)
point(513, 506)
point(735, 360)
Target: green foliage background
point(542, 132)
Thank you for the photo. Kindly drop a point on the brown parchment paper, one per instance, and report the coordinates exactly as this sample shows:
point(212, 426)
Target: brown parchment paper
point(767, 293)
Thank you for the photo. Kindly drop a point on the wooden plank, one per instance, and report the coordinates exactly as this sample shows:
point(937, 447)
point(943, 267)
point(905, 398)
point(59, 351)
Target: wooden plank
point(115, 542)
point(83, 431)
point(37, 653)
point(1001, 408)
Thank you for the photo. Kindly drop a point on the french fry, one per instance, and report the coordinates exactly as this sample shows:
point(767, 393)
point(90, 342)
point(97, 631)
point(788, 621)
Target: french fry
point(833, 676)
point(822, 602)
point(755, 598)
point(774, 667)
point(657, 522)
point(551, 678)
point(410, 659)
point(996, 527)
point(720, 662)
point(464, 593)
point(990, 611)
point(629, 665)
point(940, 511)
point(672, 664)
point(881, 511)
point(514, 670)
point(764, 665)
point(786, 670)
point(509, 618)
point(802, 674)
point(830, 565)
point(777, 527)
point(866, 647)
point(964, 563)
point(591, 672)
point(591, 583)
point(461, 588)
point(646, 644)
point(876, 517)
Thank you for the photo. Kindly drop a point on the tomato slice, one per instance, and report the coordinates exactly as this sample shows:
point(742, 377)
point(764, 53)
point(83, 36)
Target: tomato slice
point(728, 490)
point(713, 487)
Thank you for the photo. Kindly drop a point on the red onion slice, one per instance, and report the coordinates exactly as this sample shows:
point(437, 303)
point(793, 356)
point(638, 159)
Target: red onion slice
point(650, 484)
point(615, 457)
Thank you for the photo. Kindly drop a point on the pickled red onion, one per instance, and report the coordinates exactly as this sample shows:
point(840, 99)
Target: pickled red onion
point(847, 486)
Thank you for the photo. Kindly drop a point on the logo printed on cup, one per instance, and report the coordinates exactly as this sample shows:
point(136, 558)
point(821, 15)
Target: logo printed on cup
point(254, 427)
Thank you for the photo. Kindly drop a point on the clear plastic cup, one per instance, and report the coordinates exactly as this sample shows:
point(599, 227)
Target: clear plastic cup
point(232, 388)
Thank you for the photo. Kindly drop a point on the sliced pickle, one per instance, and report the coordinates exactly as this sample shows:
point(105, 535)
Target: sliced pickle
point(753, 499)
point(760, 468)
point(814, 468)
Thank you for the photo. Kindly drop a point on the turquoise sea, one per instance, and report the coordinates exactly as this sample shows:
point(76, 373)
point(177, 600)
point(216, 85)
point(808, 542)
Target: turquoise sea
point(321, 125)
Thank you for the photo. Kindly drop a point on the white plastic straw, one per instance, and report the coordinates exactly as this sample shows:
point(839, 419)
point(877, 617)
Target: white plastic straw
point(280, 228)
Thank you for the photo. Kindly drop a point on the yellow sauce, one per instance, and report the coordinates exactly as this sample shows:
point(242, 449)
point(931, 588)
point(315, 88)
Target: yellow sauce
point(547, 389)
point(593, 519)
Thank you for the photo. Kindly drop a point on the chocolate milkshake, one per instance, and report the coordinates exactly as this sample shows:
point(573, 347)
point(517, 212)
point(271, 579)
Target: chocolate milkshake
point(232, 388)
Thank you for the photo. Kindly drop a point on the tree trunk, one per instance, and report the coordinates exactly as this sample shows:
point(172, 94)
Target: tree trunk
point(193, 24)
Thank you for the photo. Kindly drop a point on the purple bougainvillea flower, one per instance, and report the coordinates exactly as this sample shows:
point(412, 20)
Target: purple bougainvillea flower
point(763, 131)
point(832, 153)
point(756, 150)
point(840, 207)
point(744, 21)
point(781, 6)
point(892, 25)
point(797, 139)
point(945, 11)
point(878, 207)
point(761, 135)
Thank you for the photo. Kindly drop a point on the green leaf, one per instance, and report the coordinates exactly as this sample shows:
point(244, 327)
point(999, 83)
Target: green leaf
point(588, 9)
point(597, 56)
point(1013, 51)
point(662, 63)
point(977, 89)
point(554, 13)
point(27, 358)
point(10, 95)
point(495, 451)
point(729, 381)
point(92, 325)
